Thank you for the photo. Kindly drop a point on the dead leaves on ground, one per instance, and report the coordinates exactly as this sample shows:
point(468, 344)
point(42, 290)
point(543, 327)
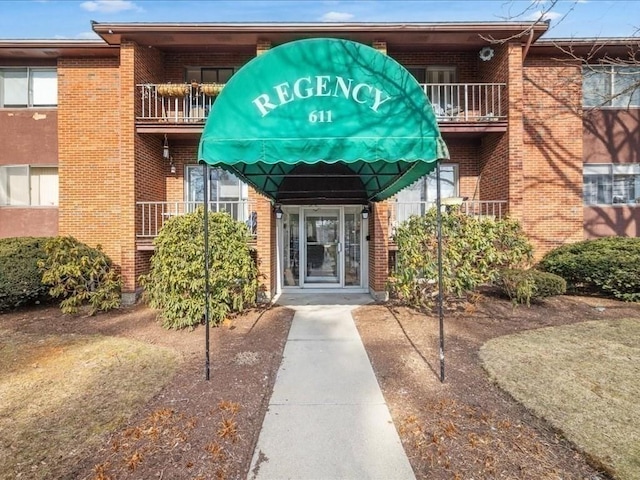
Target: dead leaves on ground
point(467, 441)
point(166, 432)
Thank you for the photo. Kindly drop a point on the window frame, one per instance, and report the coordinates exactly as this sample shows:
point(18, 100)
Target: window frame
point(30, 86)
point(611, 99)
point(423, 185)
point(29, 186)
point(242, 188)
point(189, 78)
point(599, 180)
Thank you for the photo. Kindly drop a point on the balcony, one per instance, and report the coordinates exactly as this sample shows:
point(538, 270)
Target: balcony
point(458, 107)
point(152, 216)
point(487, 209)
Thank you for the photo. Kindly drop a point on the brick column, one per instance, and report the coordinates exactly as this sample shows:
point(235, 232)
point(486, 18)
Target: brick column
point(379, 250)
point(265, 244)
point(380, 46)
point(516, 128)
point(262, 46)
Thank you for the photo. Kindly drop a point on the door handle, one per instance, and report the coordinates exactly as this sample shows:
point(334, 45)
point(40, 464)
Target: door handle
point(339, 247)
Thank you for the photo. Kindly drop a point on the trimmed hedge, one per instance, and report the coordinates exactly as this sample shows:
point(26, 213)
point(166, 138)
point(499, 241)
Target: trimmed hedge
point(176, 282)
point(606, 266)
point(523, 286)
point(20, 278)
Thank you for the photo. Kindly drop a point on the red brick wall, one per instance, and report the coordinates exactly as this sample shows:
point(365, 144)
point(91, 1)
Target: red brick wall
point(501, 154)
point(90, 158)
point(150, 169)
point(553, 153)
point(466, 63)
point(184, 152)
point(175, 63)
point(465, 154)
point(378, 247)
point(494, 155)
point(265, 243)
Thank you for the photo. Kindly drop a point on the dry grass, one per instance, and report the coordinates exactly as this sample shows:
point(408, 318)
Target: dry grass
point(61, 393)
point(584, 379)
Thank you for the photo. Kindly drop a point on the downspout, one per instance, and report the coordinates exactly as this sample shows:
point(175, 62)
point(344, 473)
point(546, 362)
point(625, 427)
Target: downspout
point(526, 47)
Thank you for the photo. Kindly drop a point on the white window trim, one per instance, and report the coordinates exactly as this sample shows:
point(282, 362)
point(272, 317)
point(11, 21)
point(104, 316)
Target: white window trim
point(29, 176)
point(610, 170)
point(30, 94)
point(611, 71)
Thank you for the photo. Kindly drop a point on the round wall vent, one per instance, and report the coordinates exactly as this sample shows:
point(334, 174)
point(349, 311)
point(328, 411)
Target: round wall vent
point(486, 54)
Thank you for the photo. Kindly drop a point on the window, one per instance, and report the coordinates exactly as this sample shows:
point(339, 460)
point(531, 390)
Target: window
point(28, 87)
point(612, 184)
point(440, 88)
point(419, 73)
point(209, 75)
point(223, 186)
point(416, 199)
point(226, 194)
point(25, 185)
point(611, 86)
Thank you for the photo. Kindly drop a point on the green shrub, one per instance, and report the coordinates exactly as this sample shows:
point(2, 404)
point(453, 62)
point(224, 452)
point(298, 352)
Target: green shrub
point(474, 250)
point(176, 282)
point(548, 284)
point(606, 266)
point(80, 275)
point(20, 277)
point(523, 286)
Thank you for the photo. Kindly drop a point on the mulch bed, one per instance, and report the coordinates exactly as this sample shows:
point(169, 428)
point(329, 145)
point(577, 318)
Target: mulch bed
point(194, 428)
point(463, 428)
point(467, 427)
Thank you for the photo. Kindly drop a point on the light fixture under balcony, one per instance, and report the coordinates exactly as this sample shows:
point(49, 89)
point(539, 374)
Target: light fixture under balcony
point(165, 148)
point(365, 212)
point(172, 166)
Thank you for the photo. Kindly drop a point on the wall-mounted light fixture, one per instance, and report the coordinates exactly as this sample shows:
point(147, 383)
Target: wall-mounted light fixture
point(172, 166)
point(277, 209)
point(365, 212)
point(165, 148)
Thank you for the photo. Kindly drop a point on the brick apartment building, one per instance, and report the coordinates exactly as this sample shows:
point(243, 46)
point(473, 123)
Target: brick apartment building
point(100, 140)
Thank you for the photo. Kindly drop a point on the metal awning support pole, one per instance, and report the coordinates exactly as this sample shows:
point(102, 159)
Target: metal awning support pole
point(205, 182)
point(440, 282)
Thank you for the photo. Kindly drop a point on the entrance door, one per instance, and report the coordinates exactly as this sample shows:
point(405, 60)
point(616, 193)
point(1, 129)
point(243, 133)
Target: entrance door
point(322, 247)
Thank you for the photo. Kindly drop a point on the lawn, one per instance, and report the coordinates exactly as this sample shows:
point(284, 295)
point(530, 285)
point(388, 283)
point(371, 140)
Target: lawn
point(61, 393)
point(584, 379)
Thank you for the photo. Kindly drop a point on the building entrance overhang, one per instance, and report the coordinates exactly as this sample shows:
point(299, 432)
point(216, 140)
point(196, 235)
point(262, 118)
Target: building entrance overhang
point(323, 119)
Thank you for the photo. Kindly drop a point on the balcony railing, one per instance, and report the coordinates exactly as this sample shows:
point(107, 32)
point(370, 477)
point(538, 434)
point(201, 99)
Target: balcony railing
point(489, 209)
point(152, 215)
point(467, 102)
point(452, 102)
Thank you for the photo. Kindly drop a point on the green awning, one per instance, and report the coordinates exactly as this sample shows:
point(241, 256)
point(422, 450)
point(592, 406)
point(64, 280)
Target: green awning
point(305, 107)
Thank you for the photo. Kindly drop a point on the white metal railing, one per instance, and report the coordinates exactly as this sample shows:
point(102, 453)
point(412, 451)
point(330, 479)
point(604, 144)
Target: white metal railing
point(452, 102)
point(467, 102)
point(152, 215)
point(488, 209)
point(176, 103)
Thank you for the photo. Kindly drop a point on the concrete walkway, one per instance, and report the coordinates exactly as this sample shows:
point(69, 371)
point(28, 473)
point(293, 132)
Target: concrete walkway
point(327, 418)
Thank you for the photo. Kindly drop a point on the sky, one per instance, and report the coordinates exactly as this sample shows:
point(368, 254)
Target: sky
point(71, 19)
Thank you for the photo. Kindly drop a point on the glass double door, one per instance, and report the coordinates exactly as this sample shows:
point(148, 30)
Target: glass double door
point(322, 247)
